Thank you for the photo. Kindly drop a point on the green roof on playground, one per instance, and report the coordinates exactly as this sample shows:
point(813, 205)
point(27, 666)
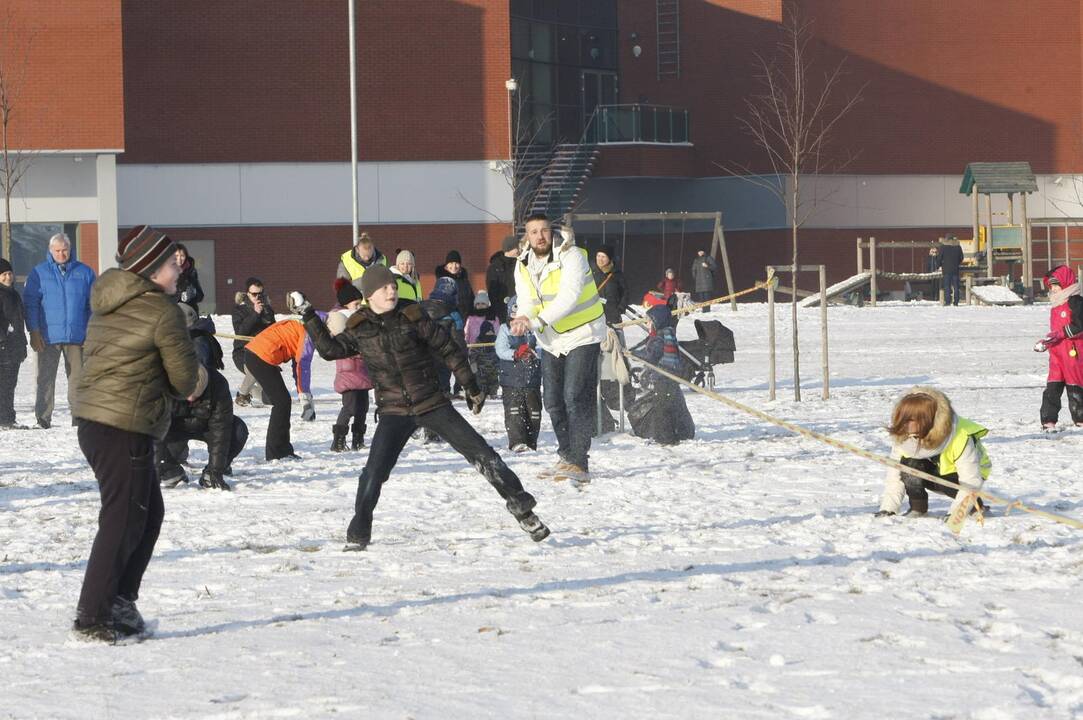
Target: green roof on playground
point(999, 177)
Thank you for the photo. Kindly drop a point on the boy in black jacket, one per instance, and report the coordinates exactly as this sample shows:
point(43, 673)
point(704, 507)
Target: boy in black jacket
point(398, 342)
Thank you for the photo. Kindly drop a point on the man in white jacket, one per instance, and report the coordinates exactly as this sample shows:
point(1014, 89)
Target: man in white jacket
point(559, 301)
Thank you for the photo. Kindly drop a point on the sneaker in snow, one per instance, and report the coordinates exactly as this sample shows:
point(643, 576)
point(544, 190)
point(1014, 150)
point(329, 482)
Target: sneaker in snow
point(571, 471)
point(915, 514)
point(126, 617)
point(95, 632)
point(520, 448)
point(1049, 427)
point(243, 400)
point(534, 526)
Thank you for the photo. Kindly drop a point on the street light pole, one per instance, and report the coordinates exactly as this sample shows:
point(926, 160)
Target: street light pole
point(353, 120)
point(512, 86)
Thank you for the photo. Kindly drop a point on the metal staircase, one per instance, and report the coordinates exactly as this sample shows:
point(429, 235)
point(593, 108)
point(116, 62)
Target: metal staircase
point(669, 38)
point(561, 183)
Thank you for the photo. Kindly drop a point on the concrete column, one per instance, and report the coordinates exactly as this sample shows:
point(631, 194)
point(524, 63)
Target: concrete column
point(107, 211)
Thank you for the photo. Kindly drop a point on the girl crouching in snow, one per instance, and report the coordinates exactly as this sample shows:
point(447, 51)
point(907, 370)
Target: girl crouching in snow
point(1064, 343)
point(928, 435)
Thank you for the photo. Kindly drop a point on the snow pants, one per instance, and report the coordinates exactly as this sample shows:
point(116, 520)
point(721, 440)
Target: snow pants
point(1051, 402)
point(392, 433)
point(355, 406)
point(522, 415)
point(9, 377)
point(269, 378)
point(129, 519)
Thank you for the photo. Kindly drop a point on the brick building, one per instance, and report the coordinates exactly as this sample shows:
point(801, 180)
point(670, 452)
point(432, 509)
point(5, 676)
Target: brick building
point(228, 124)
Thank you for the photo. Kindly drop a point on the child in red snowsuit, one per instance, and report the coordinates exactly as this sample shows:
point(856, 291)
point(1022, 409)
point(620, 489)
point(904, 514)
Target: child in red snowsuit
point(1065, 345)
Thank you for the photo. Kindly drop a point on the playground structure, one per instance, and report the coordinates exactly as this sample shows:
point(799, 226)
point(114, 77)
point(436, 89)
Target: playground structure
point(1009, 242)
point(718, 237)
point(1065, 224)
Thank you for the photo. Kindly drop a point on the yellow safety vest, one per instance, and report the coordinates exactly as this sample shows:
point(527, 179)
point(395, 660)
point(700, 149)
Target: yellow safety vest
point(965, 430)
point(355, 268)
point(587, 306)
point(407, 289)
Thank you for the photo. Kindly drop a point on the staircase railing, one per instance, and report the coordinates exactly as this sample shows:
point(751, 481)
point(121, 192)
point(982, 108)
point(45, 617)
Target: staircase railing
point(638, 123)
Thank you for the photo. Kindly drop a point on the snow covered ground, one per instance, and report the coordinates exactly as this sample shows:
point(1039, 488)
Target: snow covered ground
point(741, 574)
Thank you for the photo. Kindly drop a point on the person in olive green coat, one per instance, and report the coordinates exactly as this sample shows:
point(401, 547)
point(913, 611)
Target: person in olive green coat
point(137, 358)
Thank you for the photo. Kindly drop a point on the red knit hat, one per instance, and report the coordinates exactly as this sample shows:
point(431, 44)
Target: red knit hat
point(143, 250)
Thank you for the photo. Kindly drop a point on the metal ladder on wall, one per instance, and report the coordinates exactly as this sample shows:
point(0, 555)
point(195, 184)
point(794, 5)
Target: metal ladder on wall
point(669, 38)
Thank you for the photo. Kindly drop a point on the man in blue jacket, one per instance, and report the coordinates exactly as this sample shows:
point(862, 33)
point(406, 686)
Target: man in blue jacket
point(57, 301)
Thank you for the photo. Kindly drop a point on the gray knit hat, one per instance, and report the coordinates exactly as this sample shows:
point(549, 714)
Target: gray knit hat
point(375, 278)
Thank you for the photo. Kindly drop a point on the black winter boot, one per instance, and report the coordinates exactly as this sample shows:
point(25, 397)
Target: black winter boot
point(357, 442)
point(339, 443)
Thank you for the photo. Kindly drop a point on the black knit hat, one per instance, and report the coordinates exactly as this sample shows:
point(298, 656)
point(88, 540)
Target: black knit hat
point(345, 292)
point(609, 252)
point(143, 250)
point(453, 256)
point(5, 266)
point(375, 278)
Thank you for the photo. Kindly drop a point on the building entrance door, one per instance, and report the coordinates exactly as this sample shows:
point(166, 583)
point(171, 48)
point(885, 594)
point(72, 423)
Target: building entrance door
point(599, 88)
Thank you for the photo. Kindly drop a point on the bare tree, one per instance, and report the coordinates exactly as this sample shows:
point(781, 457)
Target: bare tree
point(792, 118)
point(530, 159)
point(15, 42)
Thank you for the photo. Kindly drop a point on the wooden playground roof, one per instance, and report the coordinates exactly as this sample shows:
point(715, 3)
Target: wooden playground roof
point(999, 177)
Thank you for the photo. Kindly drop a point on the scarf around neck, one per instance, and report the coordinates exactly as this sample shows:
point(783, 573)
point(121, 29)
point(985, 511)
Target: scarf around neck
point(1059, 297)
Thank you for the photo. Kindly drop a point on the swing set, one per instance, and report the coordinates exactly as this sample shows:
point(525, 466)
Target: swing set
point(718, 241)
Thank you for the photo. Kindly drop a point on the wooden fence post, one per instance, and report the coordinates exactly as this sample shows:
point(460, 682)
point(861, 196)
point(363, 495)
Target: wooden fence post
point(823, 331)
point(771, 338)
point(872, 269)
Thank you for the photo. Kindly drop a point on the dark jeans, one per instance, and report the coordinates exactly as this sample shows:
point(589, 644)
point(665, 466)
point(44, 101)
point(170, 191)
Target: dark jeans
point(568, 388)
point(917, 489)
point(392, 433)
point(129, 519)
point(950, 283)
point(355, 405)
point(9, 377)
point(269, 378)
point(1051, 402)
point(172, 451)
point(522, 415)
point(702, 296)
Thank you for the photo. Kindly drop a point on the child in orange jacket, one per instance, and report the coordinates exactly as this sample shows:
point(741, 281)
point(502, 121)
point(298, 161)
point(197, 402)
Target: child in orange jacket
point(285, 340)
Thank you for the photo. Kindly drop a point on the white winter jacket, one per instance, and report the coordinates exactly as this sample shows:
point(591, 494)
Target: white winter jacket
point(574, 272)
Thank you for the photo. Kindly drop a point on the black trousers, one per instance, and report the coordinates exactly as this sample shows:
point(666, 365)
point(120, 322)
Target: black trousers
point(702, 296)
point(355, 405)
point(172, 451)
point(917, 489)
point(522, 415)
point(9, 376)
point(1051, 402)
point(392, 433)
point(269, 378)
point(128, 522)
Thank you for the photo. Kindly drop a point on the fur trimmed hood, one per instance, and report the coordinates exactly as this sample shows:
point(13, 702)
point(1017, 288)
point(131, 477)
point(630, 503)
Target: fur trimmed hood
point(943, 424)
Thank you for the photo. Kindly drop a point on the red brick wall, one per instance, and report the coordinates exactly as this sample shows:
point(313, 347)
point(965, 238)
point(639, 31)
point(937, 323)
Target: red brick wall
point(947, 82)
point(88, 246)
point(305, 258)
point(66, 58)
point(268, 80)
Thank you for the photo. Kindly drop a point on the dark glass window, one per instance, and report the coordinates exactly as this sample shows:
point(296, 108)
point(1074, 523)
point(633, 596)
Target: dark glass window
point(520, 38)
point(30, 244)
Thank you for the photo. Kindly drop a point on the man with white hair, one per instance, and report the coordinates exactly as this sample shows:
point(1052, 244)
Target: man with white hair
point(57, 300)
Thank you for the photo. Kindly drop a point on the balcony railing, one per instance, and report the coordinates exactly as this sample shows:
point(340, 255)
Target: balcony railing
point(638, 124)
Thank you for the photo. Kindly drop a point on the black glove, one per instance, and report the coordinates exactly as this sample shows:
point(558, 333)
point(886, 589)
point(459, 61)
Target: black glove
point(883, 513)
point(213, 480)
point(475, 399)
